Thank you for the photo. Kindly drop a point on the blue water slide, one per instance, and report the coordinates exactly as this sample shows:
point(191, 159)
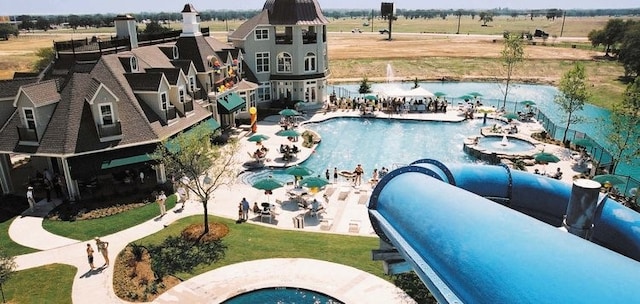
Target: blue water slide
point(487, 234)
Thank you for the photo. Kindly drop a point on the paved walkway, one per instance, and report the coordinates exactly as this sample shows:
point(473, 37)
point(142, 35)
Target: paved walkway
point(346, 213)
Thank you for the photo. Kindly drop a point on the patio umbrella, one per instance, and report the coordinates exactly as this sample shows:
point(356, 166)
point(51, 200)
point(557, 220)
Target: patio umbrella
point(258, 138)
point(528, 103)
point(545, 157)
point(268, 184)
point(583, 142)
point(298, 171)
point(288, 133)
point(511, 116)
point(371, 97)
point(440, 94)
point(611, 178)
point(289, 112)
point(466, 97)
point(314, 182)
point(474, 94)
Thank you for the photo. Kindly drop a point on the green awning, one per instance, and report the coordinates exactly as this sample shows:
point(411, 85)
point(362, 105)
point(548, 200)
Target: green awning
point(108, 164)
point(211, 123)
point(230, 103)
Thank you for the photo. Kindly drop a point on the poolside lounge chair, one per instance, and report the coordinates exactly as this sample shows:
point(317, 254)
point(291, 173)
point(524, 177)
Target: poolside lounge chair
point(266, 214)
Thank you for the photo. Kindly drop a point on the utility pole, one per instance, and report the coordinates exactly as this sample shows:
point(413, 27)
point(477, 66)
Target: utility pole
point(372, 20)
point(564, 16)
point(459, 16)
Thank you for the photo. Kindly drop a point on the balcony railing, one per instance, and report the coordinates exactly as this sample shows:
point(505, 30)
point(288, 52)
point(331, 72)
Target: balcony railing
point(170, 113)
point(26, 134)
point(111, 130)
point(310, 38)
point(284, 39)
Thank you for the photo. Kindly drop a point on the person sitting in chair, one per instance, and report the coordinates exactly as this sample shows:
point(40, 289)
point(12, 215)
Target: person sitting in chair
point(557, 175)
point(295, 149)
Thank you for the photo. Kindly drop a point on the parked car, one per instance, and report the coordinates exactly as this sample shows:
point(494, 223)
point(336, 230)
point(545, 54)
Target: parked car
point(356, 30)
point(540, 33)
point(384, 31)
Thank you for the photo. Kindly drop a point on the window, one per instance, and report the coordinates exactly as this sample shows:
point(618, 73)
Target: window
point(29, 118)
point(176, 54)
point(264, 91)
point(164, 102)
point(262, 34)
point(134, 64)
point(262, 62)
point(106, 114)
point(181, 94)
point(310, 62)
point(284, 62)
point(192, 83)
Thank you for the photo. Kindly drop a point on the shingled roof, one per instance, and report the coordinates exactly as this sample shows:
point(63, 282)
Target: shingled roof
point(197, 50)
point(9, 88)
point(144, 81)
point(171, 74)
point(42, 93)
point(294, 12)
point(248, 26)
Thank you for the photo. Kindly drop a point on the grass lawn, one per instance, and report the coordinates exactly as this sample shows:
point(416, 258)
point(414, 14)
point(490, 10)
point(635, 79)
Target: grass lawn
point(88, 229)
point(10, 247)
point(46, 284)
point(248, 242)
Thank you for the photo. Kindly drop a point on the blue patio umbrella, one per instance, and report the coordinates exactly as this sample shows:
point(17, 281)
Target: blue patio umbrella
point(611, 178)
point(314, 182)
point(545, 157)
point(289, 112)
point(466, 97)
point(474, 94)
point(268, 184)
point(298, 171)
point(440, 94)
point(528, 103)
point(288, 133)
point(511, 116)
point(371, 97)
point(258, 138)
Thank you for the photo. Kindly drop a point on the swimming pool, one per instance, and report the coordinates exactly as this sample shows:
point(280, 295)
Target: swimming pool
point(381, 142)
point(282, 295)
point(501, 144)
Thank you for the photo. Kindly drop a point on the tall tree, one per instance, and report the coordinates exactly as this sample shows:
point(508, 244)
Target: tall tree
point(612, 34)
point(512, 54)
point(7, 30)
point(7, 267)
point(155, 27)
point(624, 126)
point(201, 166)
point(573, 95)
point(629, 54)
point(486, 17)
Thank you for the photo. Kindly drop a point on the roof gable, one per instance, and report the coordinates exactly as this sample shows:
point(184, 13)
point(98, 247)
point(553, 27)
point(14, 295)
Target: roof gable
point(93, 93)
point(149, 82)
point(10, 87)
point(248, 26)
point(40, 94)
point(295, 12)
point(172, 74)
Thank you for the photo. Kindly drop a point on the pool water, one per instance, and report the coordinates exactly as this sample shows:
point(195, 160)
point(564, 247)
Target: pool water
point(282, 295)
point(382, 142)
point(512, 145)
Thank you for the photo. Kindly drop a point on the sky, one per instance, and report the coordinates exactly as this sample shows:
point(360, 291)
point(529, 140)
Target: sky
point(66, 7)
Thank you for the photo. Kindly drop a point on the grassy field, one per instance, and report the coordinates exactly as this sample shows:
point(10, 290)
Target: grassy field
point(46, 284)
point(248, 242)
point(88, 229)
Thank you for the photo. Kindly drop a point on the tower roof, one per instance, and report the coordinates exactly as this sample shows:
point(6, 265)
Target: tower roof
point(294, 12)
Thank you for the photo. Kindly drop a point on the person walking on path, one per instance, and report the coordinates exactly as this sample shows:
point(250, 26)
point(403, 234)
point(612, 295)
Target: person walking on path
point(182, 196)
point(240, 213)
point(161, 203)
point(30, 199)
point(245, 209)
point(90, 256)
point(103, 248)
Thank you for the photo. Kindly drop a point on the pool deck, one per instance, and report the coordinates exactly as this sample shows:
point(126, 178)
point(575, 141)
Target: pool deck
point(346, 213)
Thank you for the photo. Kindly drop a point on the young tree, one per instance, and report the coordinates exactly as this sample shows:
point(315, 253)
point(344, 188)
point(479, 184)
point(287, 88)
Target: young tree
point(364, 86)
point(624, 126)
point(486, 17)
point(7, 267)
point(573, 95)
point(201, 166)
point(512, 54)
point(154, 27)
point(45, 56)
point(7, 30)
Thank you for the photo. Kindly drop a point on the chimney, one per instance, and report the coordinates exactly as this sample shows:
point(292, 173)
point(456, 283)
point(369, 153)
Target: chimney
point(190, 22)
point(126, 28)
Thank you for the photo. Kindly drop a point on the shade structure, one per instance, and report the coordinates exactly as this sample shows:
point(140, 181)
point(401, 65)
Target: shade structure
point(611, 178)
point(583, 142)
point(288, 133)
point(371, 97)
point(545, 157)
point(511, 116)
point(440, 94)
point(298, 171)
point(314, 182)
point(258, 137)
point(268, 184)
point(289, 112)
point(486, 109)
point(466, 97)
point(528, 103)
point(474, 94)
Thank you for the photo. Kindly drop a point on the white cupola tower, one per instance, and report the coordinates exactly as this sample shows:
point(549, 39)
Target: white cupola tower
point(190, 22)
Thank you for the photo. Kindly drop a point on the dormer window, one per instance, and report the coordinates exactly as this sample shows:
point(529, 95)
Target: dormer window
point(106, 114)
point(133, 62)
point(29, 118)
point(176, 55)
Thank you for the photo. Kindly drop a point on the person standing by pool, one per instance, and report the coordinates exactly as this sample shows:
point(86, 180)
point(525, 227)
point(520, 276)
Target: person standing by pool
point(245, 209)
point(335, 175)
point(359, 171)
point(326, 174)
